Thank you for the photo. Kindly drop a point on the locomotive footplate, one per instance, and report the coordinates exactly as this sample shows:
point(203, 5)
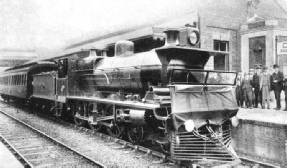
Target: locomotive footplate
point(120, 103)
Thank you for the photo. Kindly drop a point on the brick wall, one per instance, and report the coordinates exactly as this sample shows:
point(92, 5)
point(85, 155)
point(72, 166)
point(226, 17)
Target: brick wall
point(211, 33)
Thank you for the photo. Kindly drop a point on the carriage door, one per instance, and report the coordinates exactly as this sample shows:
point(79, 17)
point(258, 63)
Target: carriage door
point(61, 81)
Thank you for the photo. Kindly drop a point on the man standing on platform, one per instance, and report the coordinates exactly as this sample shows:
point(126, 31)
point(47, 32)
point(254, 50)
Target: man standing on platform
point(239, 92)
point(265, 87)
point(251, 74)
point(256, 86)
point(285, 90)
point(277, 81)
point(247, 90)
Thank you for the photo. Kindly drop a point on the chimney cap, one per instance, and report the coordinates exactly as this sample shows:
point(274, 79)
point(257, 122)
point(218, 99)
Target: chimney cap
point(170, 29)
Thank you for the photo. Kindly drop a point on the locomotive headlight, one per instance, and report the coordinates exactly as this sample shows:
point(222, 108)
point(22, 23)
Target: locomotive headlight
point(189, 125)
point(193, 36)
point(234, 121)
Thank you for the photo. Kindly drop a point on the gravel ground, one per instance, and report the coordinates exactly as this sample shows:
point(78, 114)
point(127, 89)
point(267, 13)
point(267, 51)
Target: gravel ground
point(108, 153)
point(20, 136)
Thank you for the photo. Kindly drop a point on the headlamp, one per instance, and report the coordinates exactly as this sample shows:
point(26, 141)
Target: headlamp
point(234, 121)
point(193, 36)
point(189, 125)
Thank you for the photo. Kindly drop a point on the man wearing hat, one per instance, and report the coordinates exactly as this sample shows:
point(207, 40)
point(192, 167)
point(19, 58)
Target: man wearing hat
point(256, 86)
point(265, 87)
point(277, 81)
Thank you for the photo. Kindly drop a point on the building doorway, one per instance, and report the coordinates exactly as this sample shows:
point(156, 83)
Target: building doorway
point(257, 52)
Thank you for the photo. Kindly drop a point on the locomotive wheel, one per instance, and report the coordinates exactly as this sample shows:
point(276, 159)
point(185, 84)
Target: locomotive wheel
point(95, 127)
point(79, 122)
point(136, 135)
point(115, 131)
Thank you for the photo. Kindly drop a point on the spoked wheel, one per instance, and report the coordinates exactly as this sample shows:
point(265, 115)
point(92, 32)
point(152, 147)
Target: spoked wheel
point(80, 112)
point(136, 134)
point(115, 131)
point(95, 127)
point(78, 121)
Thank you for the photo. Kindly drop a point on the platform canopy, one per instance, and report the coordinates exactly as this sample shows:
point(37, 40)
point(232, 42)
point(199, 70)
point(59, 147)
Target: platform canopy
point(13, 57)
point(133, 34)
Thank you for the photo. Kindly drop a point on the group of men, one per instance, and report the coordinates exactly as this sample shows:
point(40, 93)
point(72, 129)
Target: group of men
point(254, 88)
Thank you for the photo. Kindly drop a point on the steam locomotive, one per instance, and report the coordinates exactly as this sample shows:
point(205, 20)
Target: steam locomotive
point(163, 95)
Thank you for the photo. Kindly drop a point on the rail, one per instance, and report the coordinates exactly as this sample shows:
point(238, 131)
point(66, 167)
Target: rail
point(42, 134)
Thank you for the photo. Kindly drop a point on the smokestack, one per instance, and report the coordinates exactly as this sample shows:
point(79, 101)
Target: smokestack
point(172, 37)
point(104, 52)
point(93, 53)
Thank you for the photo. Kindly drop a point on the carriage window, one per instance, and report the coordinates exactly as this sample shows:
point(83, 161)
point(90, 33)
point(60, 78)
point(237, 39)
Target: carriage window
point(21, 81)
point(24, 80)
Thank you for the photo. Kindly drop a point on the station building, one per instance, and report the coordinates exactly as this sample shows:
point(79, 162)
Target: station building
point(253, 32)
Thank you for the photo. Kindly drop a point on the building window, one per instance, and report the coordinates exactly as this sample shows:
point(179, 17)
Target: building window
point(221, 61)
point(221, 45)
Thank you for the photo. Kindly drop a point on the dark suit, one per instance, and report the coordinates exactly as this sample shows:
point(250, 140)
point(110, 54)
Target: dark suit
point(247, 90)
point(239, 92)
point(285, 90)
point(277, 86)
point(256, 86)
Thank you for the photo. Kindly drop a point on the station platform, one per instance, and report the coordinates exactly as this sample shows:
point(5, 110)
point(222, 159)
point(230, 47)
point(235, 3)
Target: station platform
point(264, 115)
point(7, 159)
point(262, 134)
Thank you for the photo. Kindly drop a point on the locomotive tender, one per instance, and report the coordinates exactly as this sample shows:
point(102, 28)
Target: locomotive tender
point(162, 95)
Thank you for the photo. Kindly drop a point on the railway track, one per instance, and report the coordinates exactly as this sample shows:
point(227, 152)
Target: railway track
point(245, 162)
point(143, 151)
point(34, 148)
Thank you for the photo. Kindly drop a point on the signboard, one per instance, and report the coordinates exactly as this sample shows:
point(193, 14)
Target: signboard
point(282, 48)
